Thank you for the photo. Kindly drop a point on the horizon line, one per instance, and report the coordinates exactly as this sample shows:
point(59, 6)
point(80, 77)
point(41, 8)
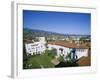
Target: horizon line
point(55, 32)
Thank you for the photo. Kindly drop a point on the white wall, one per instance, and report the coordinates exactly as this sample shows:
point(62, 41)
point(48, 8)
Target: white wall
point(57, 47)
point(35, 47)
point(5, 41)
point(81, 52)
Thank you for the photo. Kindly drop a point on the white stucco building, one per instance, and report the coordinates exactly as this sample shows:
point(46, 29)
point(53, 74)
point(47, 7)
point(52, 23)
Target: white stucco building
point(63, 48)
point(36, 47)
point(60, 49)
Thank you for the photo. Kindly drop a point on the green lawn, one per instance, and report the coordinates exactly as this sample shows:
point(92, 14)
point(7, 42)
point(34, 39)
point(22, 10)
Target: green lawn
point(40, 61)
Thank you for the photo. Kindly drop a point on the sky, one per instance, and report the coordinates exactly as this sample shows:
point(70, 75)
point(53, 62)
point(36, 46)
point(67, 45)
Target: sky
point(59, 22)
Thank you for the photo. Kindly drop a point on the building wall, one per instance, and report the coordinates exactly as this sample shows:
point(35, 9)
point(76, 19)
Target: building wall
point(78, 52)
point(59, 52)
point(81, 52)
point(36, 48)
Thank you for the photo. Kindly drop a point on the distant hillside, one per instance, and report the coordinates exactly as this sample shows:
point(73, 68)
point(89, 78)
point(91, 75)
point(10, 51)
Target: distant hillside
point(32, 33)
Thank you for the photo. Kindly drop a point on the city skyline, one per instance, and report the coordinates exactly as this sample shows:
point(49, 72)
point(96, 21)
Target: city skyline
point(59, 22)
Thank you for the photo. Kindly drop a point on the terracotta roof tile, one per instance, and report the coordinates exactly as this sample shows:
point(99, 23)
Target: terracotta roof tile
point(84, 61)
point(68, 44)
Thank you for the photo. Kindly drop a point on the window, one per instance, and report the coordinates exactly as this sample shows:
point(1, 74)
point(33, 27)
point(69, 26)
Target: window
point(35, 45)
point(28, 48)
point(32, 48)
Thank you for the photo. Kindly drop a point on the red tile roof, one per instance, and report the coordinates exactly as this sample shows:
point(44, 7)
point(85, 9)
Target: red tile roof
point(68, 44)
point(84, 61)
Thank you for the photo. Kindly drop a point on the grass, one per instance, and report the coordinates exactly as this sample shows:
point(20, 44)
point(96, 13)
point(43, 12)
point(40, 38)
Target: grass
point(40, 61)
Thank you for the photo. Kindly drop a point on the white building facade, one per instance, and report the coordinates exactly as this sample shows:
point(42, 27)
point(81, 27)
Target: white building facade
point(65, 51)
point(81, 52)
point(36, 47)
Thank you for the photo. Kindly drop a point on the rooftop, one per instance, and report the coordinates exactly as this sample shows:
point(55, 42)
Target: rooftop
point(84, 61)
point(27, 41)
point(68, 44)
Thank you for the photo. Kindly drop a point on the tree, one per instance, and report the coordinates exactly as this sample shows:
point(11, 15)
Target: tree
point(25, 58)
point(54, 52)
point(51, 53)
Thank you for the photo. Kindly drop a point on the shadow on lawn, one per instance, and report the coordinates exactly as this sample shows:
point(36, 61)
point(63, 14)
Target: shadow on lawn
point(67, 64)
